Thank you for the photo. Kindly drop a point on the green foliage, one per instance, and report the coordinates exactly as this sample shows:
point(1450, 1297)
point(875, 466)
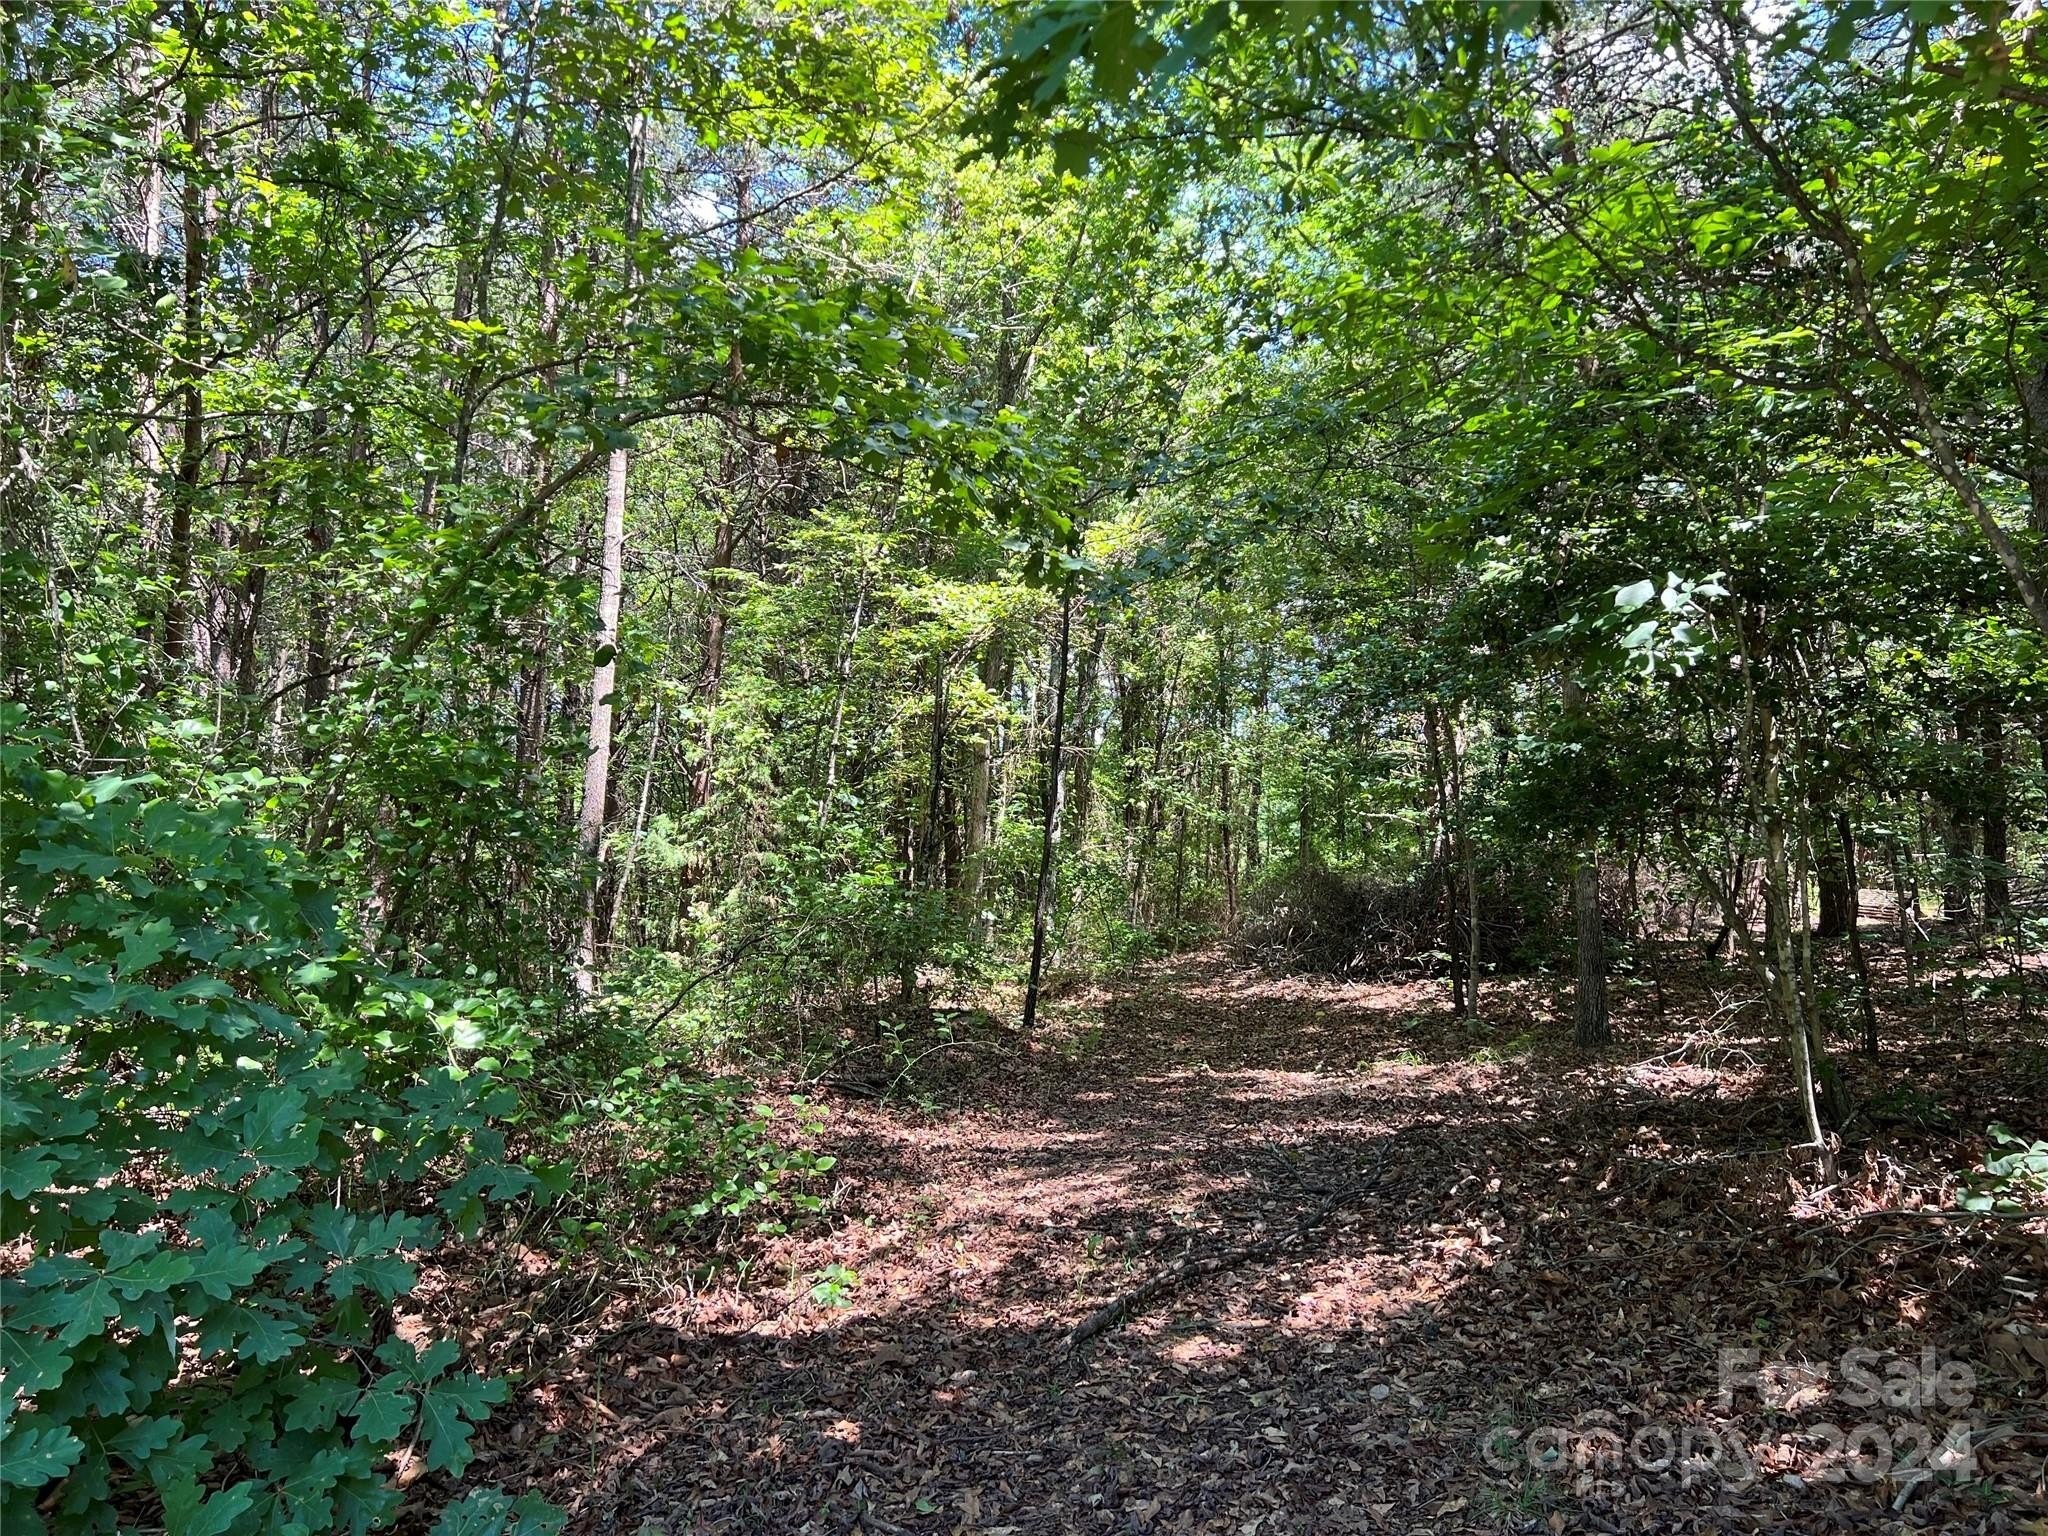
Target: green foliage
point(222, 1158)
point(2014, 1176)
point(678, 1150)
point(834, 1287)
point(489, 1512)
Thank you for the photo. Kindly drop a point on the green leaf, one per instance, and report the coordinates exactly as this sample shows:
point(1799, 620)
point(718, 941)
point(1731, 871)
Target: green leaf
point(222, 1270)
point(447, 1411)
point(189, 1513)
point(143, 1437)
point(317, 1401)
point(23, 1176)
point(31, 1362)
point(492, 1512)
point(158, 1272)
point(31, 1454)
point(143, 946)
point(382, 1414)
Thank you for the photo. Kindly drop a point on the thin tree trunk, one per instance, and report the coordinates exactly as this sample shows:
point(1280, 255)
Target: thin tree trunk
point(249, 622)
point(1154, 815)
point(1958, 854)
point(189, 363)
point(711, 677)
point(1048, 847)
point(1781, 969)
point(844, 681)
point(1180, 866)
point(1845, 835)
point(1906, 898)
point(1081, 771)
point(319, 541)
point(2033, 391)
point(1226, 844)
point(1590, 1024)
point(1958, 834)
point(597, 762)
point(1775, 961)
point(1443, 855)
point(1802, 913)
point(531, 744)
point(723, 542)
point(149, 447)
point(639, 821)
point(978, 830)
point(1255, 787)
point(1467, 860)
point(1835, 883)
point(935, 808)
point(993, 670)
point(1997, 869)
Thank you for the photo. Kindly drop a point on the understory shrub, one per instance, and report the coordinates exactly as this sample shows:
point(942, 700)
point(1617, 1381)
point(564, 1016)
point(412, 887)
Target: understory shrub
point(821, 925)
point(1317, 920)
point(2013, 1178)
point(222, 1137)
point(655, 1138)
point(689, 1150)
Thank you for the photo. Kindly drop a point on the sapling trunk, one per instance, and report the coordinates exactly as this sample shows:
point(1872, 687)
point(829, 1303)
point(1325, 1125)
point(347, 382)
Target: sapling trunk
point(1048, 847)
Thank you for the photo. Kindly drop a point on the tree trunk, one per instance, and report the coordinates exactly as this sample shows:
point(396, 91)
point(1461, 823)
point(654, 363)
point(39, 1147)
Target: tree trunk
point(993, 671)
point(1958, 854)
point(1255, 787)
point(1444, 855)
point(2034, 410)
point(1837, 892)
point(1226, 843)
point(1467, 860)
point(1906, 898)
point(530, 745)
point(1154, 818)
point(188, 366)
point(1590, 1024)
point(149, 446)
point(1997, 869)
point(1781, 974)
point(597, 762)
point(711, 676)
point(1775, 961)
point(1845, 837)
point(249, 620)
point(977, 830)
point(639, 821)
point(1048, 847)
point(319, 541)
point(936, 809)
point(842, 683)
point(723, 542)
point(1080, 808)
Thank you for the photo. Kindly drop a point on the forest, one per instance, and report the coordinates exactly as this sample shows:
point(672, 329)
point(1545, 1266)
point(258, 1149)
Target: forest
point(1023, 766)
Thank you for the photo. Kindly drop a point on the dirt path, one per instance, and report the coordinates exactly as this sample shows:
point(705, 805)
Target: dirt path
point(1526, 1249)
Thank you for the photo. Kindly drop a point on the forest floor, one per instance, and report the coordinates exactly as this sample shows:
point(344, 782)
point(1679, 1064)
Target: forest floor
point(1468, 1279)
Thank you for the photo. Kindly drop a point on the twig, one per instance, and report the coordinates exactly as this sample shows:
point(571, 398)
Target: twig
point(1935, 1213)
point(1190, 1269)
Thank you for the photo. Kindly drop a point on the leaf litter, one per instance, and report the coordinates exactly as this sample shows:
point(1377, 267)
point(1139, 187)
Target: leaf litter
point(1352, 1265)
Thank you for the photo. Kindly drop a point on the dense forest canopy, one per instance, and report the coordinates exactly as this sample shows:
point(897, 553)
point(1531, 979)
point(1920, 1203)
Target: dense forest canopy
point(583, 576)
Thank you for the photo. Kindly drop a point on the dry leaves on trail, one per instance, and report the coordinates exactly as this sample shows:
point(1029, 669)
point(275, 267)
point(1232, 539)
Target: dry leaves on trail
point(1549, 1257)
